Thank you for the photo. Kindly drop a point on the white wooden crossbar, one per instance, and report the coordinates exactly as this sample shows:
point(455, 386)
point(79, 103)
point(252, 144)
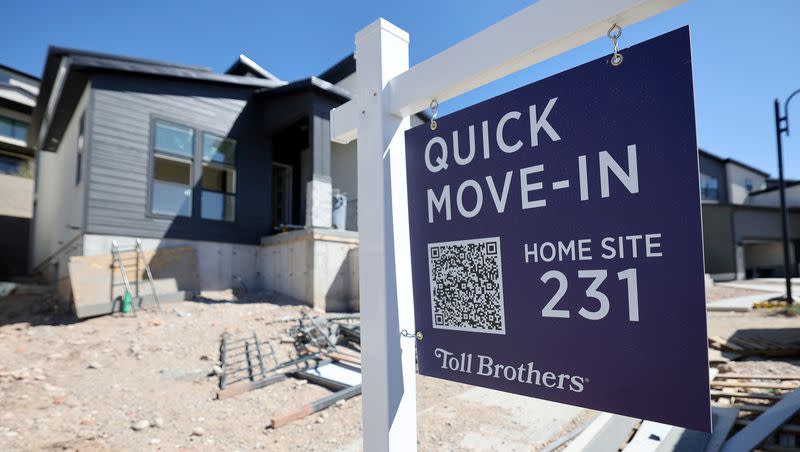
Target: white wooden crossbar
point(534, 34)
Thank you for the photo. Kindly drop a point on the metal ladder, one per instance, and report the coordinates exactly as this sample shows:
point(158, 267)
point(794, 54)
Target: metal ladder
point(117, 262)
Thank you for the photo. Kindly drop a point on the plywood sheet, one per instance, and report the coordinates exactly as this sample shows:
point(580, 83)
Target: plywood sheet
point(174, 269)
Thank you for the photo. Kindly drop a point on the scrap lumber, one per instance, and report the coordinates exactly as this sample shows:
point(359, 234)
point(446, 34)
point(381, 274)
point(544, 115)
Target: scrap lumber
point(175, 270)
point(763, 426)
point(336, 356)
point(768, 342)
point(246, 386)
point(751, 407)
point(745, 384)
point(788, 428)
point(687, 440)
point(759, 376)
point(313, 407)
point(747, 395)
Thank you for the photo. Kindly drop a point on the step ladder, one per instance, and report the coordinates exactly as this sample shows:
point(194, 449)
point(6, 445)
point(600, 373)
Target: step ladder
point(118, 263)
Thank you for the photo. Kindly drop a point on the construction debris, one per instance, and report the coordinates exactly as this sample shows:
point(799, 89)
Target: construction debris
point(749, 411)
point(765, 342)
point(327, 353)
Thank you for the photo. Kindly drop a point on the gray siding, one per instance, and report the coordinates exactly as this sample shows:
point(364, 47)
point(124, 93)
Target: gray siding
point(120, 157)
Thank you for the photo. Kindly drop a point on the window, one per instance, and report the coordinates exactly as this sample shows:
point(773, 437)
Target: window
point(16, 166)
point(748, 184)
point(13, 129)
point(81, 141)
point(218, 199)
point(171, 192)
point(709, 188)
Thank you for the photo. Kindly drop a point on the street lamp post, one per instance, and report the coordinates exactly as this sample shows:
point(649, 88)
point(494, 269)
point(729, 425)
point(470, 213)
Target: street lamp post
point(782, 126)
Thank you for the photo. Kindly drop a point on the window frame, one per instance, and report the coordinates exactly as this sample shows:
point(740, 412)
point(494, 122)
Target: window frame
point(15, 124)
point(223, 166)
point(196, 164)
point(151, 177)
point(705, 182)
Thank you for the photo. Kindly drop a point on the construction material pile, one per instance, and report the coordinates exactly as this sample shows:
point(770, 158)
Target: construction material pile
point(327, 352)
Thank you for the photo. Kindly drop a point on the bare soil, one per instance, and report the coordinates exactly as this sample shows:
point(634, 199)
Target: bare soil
point(716, 293)
point(84, 385)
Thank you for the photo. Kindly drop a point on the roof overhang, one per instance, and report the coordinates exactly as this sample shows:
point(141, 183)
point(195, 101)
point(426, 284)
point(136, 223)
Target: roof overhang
point(67, 73)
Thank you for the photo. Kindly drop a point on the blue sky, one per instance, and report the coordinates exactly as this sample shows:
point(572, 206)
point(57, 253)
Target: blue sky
point(745, 53)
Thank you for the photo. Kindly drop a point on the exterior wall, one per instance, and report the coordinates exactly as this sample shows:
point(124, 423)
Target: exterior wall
point(16, 211)
point(765, 259)
point(59, 202)
point(716, 169)
point(718, 245)
point(120, 158)
point(730, 231)
point(17, 194)
point(737, 177)
point(344, 171)
point(772, 198)
point(317, 266)
point(220, 265)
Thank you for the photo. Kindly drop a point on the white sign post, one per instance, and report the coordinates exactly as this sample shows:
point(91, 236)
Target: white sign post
point(387, 93)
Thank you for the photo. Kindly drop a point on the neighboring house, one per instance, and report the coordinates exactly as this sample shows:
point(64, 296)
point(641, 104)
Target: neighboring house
point(238, 165)
point(18, 92)
point(742, 232)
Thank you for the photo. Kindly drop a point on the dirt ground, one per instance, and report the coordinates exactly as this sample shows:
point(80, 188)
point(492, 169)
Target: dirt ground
point(716, 293)
point(84, 385)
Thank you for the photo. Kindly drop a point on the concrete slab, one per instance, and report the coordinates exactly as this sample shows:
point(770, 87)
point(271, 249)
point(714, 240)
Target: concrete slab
point(738, 304)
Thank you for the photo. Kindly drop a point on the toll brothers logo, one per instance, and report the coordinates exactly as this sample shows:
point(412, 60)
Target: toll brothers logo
point(524, 373)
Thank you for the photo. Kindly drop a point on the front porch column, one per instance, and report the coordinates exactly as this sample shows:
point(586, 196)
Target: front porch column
point(319, 188)
point(741, 271)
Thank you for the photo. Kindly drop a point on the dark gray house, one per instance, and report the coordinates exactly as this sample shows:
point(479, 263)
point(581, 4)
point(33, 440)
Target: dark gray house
point(238, 165)
point(742, 220)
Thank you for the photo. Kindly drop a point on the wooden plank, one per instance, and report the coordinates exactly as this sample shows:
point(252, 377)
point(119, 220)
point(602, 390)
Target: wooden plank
point(751, 407)
point(532, 35)
point(752, 435)
point(247, 386)
point(788, 428)
point(747, 395)
point(723, 343)
point(759, 385)
point(174, 270)
point(759, 376)
point(313, 407)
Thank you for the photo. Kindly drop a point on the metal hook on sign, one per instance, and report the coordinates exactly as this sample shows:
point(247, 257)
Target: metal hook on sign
point(434, 113)
point(405, 333)
point(614, 33)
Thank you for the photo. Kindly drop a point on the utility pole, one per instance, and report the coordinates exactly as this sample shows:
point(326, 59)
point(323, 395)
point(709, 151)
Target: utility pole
point(782, 126)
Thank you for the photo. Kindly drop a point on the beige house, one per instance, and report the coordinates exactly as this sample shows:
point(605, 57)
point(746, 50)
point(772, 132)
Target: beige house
point(18, 92)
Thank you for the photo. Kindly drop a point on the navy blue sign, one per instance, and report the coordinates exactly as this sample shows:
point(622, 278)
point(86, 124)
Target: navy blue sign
point(556, 242)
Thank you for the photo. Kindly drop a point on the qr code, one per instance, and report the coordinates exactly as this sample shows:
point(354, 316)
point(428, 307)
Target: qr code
point(467, 285)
